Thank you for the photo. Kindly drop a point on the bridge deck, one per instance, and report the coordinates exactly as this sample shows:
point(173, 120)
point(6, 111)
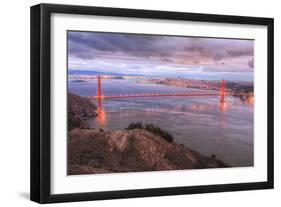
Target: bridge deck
point(155, 95)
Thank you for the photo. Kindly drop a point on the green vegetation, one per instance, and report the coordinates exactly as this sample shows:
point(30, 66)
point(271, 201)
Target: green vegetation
point(153, 129)
point(137, 125)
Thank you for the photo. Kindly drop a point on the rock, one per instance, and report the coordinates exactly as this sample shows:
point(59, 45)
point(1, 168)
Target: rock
point(78, 169)
point(79, 108)
point(73, 120)
point(94, 151)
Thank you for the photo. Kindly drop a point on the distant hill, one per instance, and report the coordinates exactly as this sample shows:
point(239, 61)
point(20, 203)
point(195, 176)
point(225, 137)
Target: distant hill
point(93, 72)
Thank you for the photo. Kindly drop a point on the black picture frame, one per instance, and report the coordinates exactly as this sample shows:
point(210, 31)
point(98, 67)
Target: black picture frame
point(41, 98)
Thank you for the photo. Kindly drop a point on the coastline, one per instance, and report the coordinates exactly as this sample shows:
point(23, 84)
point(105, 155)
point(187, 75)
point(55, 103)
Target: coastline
point(127, 150)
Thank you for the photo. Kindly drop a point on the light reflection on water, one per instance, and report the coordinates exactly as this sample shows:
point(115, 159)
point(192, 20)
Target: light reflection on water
point(101, 118)
point(201, 123)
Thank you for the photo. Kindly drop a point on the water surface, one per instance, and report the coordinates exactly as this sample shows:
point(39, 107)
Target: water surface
point(201, 123)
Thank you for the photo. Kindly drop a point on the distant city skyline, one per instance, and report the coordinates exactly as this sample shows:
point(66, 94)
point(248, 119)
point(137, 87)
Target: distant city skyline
point(158, 55)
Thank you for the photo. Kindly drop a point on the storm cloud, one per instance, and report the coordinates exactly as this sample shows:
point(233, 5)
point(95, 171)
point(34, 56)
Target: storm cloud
point(88, 49)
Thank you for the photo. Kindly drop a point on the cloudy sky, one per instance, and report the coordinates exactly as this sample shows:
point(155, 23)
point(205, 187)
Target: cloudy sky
point(152, 54)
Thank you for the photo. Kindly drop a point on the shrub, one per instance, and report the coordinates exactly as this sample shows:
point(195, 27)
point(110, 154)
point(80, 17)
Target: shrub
point(137, 125)
point(153, 129)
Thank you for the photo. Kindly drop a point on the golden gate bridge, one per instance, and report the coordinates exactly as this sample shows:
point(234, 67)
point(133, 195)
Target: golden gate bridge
point(100, 96)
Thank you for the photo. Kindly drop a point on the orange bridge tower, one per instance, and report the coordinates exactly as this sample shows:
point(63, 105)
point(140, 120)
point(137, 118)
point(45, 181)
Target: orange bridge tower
point(222, 91)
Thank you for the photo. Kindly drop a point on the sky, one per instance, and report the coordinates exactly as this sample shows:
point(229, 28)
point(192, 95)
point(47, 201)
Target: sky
point(157, 55)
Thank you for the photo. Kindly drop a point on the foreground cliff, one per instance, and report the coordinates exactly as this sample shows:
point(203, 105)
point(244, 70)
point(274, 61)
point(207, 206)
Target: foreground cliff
point(95, 151)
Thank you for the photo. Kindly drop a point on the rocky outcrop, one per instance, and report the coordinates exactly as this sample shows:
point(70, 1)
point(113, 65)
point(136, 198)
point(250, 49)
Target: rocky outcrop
point(93, 151)
point(79, 108)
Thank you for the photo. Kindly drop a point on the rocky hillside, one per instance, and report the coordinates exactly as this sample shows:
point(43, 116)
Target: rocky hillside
point(94, 151)
point(79, 108)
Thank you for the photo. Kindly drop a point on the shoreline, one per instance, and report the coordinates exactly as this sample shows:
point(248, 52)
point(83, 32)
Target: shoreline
point(134, 149)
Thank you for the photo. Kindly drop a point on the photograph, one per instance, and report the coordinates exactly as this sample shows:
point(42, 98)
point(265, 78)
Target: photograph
point(158, 102)
point(129, 103)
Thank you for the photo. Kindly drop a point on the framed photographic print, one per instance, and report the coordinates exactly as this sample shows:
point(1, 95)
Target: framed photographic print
point(132, 103)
